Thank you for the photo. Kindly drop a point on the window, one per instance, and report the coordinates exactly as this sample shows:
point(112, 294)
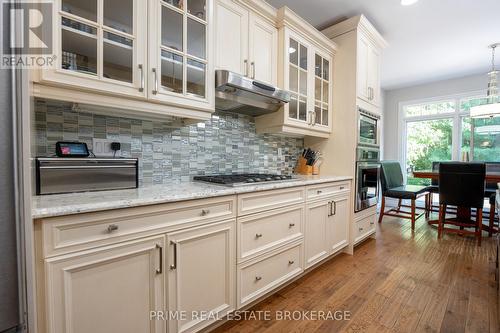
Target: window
point(441, 131)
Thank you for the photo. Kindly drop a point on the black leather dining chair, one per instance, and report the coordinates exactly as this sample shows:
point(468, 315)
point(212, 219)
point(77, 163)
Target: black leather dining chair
point(433, 187)
point(461, 185)
point(490, 193)
point(392, 184)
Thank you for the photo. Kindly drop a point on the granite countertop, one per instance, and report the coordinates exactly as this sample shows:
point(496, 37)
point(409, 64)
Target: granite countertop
point(75, 203)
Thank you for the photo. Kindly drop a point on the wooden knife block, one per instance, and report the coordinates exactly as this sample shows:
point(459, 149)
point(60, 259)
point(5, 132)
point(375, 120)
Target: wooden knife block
point(302, 168)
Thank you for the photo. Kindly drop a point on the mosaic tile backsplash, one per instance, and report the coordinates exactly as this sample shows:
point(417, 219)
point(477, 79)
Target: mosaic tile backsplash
point(228, 143)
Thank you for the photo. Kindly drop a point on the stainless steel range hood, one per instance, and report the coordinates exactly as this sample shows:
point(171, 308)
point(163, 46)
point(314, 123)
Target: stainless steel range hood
point(238, 93)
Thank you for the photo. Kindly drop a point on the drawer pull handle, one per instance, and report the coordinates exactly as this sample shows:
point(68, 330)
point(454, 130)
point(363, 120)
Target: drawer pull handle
point(160, 270)
point(258, 278)
point(291, 225)
point(112, 227)
point(372, 223)
point(319, 192)
point(291, 262)
point(174, 265)
point(361, 229)
point(205, 212)
point(258, 235)
point(342, 187)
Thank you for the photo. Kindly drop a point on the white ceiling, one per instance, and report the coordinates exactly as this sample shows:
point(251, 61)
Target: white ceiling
point(430, 41)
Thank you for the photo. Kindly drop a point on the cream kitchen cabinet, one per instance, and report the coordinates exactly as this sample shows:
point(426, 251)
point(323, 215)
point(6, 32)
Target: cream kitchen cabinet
point(247, 43)
point(327, 228)
point(133, 55)
point(109, 289)
point(305, 65)
point(201, 275)
point(368, 80)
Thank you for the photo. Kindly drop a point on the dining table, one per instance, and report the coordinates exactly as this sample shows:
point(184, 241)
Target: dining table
point(463, 213)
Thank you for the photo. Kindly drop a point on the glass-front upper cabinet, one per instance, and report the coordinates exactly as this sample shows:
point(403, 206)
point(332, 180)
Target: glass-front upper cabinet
point(180, 53)
point(298, 60)
point(322, 88)
point(101, 45)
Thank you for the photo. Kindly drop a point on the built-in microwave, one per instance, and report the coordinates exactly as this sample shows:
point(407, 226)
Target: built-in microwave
point(368, 128)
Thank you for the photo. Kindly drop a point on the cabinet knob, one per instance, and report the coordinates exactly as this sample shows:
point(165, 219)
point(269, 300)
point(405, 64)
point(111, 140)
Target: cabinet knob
point(372, 223)
point(258, 235)
point(291, 225)
point(360, 229)
point(291, 262)
point(342, 187)
point(258, 278)
point(112, 227)
point(319, 192)
point(205, 212)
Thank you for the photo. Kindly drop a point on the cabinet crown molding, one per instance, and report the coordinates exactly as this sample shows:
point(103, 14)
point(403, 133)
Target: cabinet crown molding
point(261, 7)
point(360, 23)
point(288, 18)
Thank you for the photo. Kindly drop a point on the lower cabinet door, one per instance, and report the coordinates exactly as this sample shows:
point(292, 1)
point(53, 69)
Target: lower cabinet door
point(110, 289)
point(201, 275)
point(338, 223)
point(316, 232)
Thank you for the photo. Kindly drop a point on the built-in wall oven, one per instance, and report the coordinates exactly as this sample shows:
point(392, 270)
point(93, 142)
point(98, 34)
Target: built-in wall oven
point(367, 177)
point(368, 129)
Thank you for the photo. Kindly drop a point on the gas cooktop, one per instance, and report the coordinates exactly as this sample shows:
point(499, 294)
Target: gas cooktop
point(243, 179)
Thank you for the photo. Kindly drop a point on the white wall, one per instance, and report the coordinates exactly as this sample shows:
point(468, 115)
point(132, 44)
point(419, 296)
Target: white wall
point(392, 98)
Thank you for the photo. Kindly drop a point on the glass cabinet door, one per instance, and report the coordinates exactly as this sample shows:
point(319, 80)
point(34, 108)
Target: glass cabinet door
point(182, 48)
point(321, 90)
point(298, 78)
point(99, 39)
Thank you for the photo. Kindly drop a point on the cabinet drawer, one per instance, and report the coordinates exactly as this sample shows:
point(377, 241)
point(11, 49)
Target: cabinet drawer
point(257, 202)
point(259, 233)
point(326, 190)
point(257, 278)
point(78, 232)
point(364, 227)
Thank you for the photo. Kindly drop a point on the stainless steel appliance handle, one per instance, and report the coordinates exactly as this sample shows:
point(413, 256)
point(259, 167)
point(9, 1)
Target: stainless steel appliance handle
point(160, 270)
point(174, 265)
point(70, 167)
point(141, 69)
point(155, 90)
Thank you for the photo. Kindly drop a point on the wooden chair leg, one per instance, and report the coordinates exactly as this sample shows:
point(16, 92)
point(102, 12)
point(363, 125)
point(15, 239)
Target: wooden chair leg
point(442, 216)
point(412, 214)
point(427, 205)
point(491, 219)
point(400, 202)
point(479, 223)
point(382, 210)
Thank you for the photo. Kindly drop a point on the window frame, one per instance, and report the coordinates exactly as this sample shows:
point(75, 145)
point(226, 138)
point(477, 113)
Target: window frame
point(456, 117)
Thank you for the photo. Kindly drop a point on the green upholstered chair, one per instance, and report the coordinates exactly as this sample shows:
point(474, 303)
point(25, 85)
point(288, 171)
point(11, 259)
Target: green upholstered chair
point(392, 185)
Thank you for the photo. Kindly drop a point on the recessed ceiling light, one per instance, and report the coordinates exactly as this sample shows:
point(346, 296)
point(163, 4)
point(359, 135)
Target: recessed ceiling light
point(408, 2)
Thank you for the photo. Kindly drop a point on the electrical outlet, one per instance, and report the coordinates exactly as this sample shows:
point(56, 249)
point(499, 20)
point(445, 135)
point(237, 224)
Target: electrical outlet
point(102, 148)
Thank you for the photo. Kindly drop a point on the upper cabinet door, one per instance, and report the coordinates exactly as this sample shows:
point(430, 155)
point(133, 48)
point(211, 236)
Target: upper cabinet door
point(362, 69)
point(297, 80)
point(179, 59)
point(322, 91)
point(263, 49)
point(374, 75)
point(368, 71)
point(100, 45)
point(231, 37)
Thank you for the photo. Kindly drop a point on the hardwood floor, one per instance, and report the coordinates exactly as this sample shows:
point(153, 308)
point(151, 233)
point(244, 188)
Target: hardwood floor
point(400, 282)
